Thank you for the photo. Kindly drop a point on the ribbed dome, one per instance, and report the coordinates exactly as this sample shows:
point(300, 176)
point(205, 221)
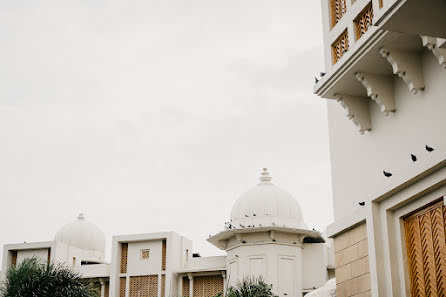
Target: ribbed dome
point(83, 235)
point(266, 205)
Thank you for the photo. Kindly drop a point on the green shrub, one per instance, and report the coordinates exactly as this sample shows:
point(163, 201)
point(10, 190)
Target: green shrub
point(250, 287)
point(33, 278)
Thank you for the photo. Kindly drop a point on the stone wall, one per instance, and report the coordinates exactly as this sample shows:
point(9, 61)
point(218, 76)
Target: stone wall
point(352, 263)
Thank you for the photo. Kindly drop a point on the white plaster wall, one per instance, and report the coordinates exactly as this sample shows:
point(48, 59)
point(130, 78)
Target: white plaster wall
point(138, 266)
point(358, 160)
point(279, 265)
point(41, 254)
point(315, 260)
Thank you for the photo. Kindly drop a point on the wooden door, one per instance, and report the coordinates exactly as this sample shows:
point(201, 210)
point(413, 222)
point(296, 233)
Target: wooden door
point(426, 251)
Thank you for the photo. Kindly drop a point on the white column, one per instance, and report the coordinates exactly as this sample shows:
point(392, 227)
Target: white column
point(191, 284)
point(223, 274)
point(102, 287)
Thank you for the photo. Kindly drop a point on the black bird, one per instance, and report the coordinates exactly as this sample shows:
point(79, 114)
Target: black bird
point(414, 158)
point(236, 256)
point(429, 149)
point(285, 294)
point(243, 241)
point(387, 174)
point(247, 216)
point(362, 203)
point(316, 80)
point(242, 226)
point(254, 214)
point(322, 74)
point(294, 242)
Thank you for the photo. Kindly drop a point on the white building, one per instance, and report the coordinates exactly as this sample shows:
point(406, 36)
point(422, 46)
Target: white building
point(266, 236)
point(385, 83)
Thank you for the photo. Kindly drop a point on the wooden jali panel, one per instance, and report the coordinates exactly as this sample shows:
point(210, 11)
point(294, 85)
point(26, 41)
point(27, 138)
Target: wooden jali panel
point(426, 251)
point(340, 46)
point(163, 285)
point(207, 286)
point(122, 287)
point(364, 21)
point(144, 286)
point(124, 252)
point(164, 251)
point(338, 9)
point(186, 286)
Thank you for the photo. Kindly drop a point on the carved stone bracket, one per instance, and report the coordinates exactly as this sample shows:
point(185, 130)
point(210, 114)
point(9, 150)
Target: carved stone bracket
point(406, 65)
point(380, 89)
point(357, 109)
point(433, 44)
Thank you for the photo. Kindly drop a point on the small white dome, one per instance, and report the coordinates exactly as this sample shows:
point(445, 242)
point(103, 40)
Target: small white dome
point(83, 235)
point(267, 205)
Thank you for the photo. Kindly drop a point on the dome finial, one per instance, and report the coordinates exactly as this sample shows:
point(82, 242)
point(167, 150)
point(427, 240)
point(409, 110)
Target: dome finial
point(265, 176)
point(81, 216)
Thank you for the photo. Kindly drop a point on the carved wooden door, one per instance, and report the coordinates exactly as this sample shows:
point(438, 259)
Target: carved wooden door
point(426, 251)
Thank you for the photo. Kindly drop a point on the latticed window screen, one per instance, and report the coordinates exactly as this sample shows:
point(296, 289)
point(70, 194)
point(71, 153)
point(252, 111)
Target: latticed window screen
point(364, 21)
point(164, 250)
point(163, 285)
point(144, 286)
point(14, 258)
point(340, 46)
point(186, 286)
point(426, 251)
point(207, 286)
point(122, 287)
point(124, 252)
point(145, 254)
point(338, 9)
point(107, 289)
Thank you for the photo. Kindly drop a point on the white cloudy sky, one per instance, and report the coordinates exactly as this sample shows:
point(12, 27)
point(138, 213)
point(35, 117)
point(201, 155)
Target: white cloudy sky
point(154, 115)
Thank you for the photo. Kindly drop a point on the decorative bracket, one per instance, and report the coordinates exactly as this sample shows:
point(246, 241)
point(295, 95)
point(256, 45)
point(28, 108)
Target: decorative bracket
point(239, 237)
point(380, 89)
point(406, 65)
point(433, 44)
point(272, 235)
point(357, 109)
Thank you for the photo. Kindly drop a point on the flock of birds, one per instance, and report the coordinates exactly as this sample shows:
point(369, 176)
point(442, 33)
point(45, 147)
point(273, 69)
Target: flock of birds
point(316, 80)
point(412, 157)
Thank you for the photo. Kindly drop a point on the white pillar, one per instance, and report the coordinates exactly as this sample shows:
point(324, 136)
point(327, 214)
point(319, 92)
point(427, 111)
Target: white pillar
point(191, 284)
point(102, 287)
point(223, 274)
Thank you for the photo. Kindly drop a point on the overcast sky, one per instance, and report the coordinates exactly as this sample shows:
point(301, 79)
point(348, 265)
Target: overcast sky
point(150, 115)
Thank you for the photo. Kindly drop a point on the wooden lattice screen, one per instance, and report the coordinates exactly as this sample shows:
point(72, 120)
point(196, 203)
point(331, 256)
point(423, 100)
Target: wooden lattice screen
point(426, 251)
point(207, 286)
point(340, 46)
point(14, 258)
point(122, 287)
point(124, 252)
point(338, 9)
point(163, 261)
point(186, 286)
point(163, 285)
point(144, 286)
point(364, 21)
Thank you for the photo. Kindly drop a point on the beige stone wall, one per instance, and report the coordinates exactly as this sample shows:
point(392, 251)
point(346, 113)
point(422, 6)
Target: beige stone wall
point(352, 263)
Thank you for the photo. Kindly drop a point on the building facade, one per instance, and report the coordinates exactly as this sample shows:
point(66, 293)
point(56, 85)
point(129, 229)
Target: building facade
point(385, 89)
point(265, 237)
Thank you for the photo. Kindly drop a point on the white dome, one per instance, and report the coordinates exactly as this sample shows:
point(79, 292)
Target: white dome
point(267, 205)
point(83, 235)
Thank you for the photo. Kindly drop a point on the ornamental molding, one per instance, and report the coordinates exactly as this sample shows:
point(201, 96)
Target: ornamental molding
point(380, 89)
point(407, 65)
point(433, 44)
point(357, 110)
